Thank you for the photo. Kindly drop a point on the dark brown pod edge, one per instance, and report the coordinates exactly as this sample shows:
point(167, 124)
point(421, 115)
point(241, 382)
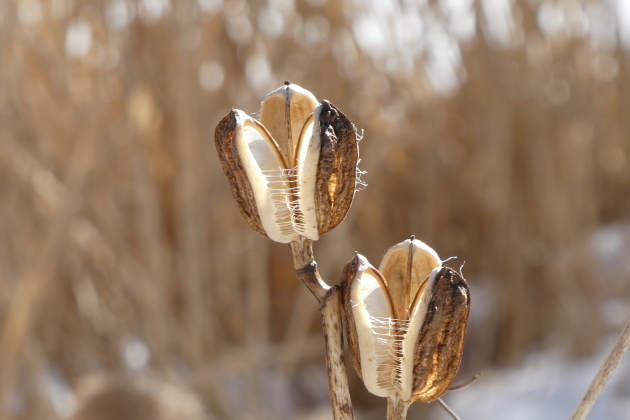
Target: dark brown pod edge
point(347, 277)
point(337, 167)
point(235, 173)
point(440, 344)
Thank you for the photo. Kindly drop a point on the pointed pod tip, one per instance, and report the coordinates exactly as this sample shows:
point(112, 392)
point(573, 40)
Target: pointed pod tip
point(361, 261)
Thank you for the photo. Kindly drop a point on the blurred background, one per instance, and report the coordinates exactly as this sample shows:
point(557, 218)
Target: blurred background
point(496, 131)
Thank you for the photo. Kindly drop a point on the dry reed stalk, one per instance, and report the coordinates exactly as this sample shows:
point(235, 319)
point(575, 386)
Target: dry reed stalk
point(150, 229)
point(34, 284)
point(603, 375)
point(189, 205)
point(257, 330)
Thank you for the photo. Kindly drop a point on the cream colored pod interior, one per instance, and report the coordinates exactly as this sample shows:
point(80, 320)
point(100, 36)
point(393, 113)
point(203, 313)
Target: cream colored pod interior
point(284, 112)
point(389, 307)
point(280, 155)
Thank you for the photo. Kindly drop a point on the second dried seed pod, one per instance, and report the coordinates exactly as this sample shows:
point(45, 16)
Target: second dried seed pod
point(405, 322)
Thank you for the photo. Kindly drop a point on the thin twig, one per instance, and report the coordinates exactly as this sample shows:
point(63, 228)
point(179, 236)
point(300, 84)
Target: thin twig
point(467, 383)
point(448, 409)
point(604, 374)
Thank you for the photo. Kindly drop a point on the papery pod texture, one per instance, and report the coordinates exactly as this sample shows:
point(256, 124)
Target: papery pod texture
point(438, 349)
point(440, 346)
point(335, 180)
point(348, 274)
point(337, 167)
point(235, 173)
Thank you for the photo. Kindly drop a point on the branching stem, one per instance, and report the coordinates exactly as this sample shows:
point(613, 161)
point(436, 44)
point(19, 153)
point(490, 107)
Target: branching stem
point(306, 268)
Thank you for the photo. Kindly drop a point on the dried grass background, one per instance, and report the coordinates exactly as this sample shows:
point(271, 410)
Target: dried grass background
point(495, 131)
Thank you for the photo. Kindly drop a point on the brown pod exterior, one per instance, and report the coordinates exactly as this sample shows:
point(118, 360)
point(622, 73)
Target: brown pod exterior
point(337, 167)
point(438, 351)
point(235, 173)
point(347, 277)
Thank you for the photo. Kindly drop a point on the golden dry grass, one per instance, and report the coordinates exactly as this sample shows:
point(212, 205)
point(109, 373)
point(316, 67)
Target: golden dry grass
point(117, 225)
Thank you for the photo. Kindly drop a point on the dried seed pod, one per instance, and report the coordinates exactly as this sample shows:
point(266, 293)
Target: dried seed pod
point(440, 343)
point(293, 173)
point(405, 322)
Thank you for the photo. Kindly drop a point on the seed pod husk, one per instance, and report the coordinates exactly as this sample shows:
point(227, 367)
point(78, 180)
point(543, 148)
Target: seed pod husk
point(234, 171)
point(337, 167)
point(293, 174)
point(405, 329)
point(440, 344)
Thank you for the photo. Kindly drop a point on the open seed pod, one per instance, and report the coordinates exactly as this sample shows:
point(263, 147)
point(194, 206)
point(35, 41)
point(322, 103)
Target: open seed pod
point(293, 173)
point(405, 322)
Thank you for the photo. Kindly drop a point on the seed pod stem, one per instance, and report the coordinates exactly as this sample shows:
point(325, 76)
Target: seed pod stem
point(306, 268)
point(335, 360)
point(397, 410)
point(332, 323)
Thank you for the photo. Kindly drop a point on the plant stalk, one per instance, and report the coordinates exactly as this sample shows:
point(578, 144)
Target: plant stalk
point(604, 374)
point(330, 310)
point(335, 360)
point(306, 268)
